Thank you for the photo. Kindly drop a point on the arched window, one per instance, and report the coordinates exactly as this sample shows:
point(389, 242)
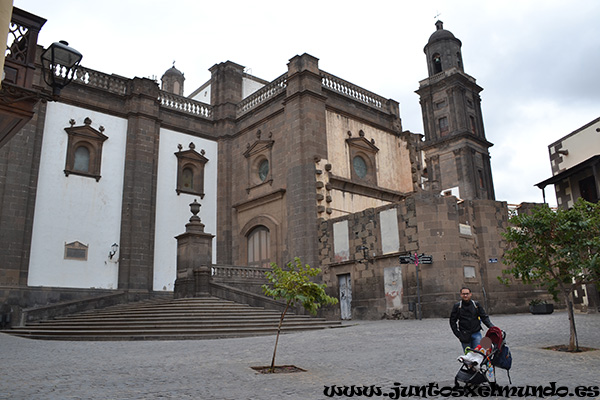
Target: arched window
point(81, 162)
point(259, 252)
point(84, 150)
point(187, 177)
point(190, 171)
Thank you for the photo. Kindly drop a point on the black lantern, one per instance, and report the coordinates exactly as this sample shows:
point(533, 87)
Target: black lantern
point(59, 63)
point(113, 250)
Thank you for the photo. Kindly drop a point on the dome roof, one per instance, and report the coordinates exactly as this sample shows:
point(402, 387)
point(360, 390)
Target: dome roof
point(441, 34)
point(173, 71)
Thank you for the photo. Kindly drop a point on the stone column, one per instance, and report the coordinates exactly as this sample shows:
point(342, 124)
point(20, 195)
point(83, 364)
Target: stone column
point(194, 258)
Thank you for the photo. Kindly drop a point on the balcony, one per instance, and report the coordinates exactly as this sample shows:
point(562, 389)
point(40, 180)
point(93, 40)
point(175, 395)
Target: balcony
point(17, 95)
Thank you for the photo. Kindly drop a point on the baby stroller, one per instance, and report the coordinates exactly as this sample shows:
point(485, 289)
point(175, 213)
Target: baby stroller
point(478, 364)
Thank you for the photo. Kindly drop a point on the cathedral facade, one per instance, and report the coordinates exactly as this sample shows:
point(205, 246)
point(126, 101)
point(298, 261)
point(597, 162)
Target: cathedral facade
point(97, 186)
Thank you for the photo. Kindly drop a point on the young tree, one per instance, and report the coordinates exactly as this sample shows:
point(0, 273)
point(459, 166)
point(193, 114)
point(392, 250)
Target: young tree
point(294, 285)
point(556, 250)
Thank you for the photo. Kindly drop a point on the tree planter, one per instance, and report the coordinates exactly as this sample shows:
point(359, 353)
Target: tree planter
point(542, 309)
point(278, 369)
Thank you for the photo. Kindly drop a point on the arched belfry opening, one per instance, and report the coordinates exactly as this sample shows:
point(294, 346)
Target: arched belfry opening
point(437, 63)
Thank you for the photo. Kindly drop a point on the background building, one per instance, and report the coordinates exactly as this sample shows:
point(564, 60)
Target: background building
point(575, 161)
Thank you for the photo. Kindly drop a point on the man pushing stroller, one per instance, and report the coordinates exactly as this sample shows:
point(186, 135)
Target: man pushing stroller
point(466, 318)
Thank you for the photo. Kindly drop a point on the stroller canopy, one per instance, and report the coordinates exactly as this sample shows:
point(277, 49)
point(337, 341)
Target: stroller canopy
point(496, 335)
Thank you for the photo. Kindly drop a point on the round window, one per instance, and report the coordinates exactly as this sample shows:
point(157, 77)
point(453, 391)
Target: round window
point(360, 166)
point(263, 170)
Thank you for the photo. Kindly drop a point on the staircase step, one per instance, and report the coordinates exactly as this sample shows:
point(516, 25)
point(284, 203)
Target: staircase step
point(169, 319)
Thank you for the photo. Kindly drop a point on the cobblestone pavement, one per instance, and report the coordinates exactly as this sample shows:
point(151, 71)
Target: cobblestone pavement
point(360, 353)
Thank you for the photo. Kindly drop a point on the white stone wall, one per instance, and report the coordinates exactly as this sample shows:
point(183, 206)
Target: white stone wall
point(173, 211)
point(77, 208)
point(250, 86)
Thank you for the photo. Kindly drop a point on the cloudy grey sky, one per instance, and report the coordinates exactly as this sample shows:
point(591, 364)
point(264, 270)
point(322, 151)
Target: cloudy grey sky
point(537, 60)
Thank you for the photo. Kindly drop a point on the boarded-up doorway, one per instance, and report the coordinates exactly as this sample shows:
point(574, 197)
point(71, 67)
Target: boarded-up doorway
point(345, 284)
point(392, 283)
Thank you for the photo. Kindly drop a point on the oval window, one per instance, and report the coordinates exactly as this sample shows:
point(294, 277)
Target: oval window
point(360, 166)
point(263, 170)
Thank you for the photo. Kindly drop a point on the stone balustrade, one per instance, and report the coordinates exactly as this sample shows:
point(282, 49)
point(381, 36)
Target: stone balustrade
point(347, 89)
point(232, 272)
point(111, 83)
point(260, 96)
point(185, 104)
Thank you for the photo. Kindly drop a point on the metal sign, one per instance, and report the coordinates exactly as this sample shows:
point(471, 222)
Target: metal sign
point(417, 259)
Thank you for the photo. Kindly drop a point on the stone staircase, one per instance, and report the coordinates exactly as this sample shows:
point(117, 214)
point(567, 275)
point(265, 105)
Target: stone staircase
point(169, 319)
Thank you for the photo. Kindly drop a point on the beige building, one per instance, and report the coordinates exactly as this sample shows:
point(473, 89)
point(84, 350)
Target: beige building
point(575, 161)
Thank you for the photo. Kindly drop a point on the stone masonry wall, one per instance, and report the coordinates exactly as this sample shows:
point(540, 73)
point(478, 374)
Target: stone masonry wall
point(462, 237)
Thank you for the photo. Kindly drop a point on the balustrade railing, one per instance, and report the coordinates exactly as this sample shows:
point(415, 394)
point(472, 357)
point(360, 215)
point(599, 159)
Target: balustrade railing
point(238, 272)
point(92, 78)
point(185, 105)
point(262, 95)
point(348, 89)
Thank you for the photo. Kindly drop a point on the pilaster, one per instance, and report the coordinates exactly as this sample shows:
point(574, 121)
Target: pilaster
point(305, 140)
point(139, 189)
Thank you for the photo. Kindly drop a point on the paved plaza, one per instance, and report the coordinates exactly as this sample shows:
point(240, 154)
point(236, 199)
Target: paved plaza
point(379, 353)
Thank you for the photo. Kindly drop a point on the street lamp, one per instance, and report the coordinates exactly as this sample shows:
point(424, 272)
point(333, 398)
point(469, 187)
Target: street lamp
point(59, 63)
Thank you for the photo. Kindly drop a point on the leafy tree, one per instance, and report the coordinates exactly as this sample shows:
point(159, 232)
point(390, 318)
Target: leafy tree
point(294, 285)
point(556, 250)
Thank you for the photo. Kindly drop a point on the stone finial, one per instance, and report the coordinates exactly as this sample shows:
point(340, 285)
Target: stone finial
point(87, 121)
point(195, 209)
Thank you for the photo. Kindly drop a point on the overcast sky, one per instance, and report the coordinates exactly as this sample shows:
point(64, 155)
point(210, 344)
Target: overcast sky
point(538, 61)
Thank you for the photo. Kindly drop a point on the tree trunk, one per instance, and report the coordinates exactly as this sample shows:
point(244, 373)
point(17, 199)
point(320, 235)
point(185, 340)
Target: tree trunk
point(277, 338)
point(573, 342)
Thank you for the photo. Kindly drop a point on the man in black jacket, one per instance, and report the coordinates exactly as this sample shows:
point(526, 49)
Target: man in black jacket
point(466, 318)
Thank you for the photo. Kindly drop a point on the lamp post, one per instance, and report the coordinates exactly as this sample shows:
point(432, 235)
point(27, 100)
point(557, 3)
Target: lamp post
point(59, 63)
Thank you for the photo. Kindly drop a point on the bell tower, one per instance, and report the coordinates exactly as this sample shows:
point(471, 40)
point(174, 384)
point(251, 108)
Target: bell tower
point(456, 150)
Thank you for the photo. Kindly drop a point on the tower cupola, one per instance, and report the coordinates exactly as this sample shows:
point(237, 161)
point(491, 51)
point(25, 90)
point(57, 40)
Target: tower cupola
point(443, 51)
point(172, 81)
